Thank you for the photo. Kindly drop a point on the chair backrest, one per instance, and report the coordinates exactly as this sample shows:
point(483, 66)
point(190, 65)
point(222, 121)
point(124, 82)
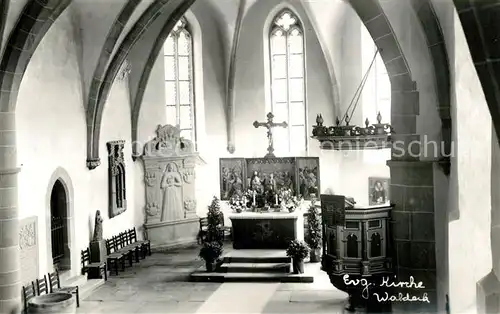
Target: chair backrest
point(41, 285)
point(118, 242)
point(85, 257)
point(110, 245)
point(124, 238)
point(203, 222)
point(29, 292)
point(54, 281)
point(221, 219)
point(132, 235)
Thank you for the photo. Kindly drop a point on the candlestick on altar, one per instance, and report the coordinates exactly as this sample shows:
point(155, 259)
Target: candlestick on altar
point(253, 198)
point(276, 198)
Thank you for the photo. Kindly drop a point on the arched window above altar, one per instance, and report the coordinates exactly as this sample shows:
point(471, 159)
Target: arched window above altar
point(179, 82)
point(287, 79)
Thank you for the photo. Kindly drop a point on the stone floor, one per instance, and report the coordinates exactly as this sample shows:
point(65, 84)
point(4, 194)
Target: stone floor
point(159, 285)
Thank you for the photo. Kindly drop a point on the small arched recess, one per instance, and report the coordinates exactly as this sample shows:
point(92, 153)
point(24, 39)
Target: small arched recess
point(60, 174)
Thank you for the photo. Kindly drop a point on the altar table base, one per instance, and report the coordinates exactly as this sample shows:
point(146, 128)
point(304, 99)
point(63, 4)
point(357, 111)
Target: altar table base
point(272, 230)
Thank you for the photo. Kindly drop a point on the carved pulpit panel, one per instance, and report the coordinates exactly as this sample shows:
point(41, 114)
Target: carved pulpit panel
point(169, 176)
point(117, 190)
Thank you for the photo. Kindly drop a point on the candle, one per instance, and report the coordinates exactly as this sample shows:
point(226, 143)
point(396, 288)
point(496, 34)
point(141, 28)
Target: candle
point(276, 197)
point(253, 197)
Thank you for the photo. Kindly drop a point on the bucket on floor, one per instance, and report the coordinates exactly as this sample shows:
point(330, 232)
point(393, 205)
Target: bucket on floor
point(52, 303)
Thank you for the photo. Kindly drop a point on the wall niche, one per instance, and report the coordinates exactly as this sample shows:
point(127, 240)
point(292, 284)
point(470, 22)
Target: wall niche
point(116, 181)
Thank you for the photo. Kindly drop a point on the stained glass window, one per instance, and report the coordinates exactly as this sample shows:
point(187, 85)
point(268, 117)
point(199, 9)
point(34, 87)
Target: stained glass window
point(286, 44)
point(179, 92)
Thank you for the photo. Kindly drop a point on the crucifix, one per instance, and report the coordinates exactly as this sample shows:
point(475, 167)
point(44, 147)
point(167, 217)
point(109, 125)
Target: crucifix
point(269, 125)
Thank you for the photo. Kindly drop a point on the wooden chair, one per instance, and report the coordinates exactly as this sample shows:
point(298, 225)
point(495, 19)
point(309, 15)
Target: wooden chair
point(55, 286)
point(114, 258)
point(123, 248)
point(135, 246)
point(87, 266)
point(226, 230)
point(145, 244)
point(29, 292)
point(42, 286)
point(202, 233)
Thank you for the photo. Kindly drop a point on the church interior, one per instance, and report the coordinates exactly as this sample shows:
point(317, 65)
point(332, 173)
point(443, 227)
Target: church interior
point(128, 117)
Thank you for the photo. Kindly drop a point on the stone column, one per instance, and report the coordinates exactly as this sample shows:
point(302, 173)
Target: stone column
point(412, 192)
point(10, 289)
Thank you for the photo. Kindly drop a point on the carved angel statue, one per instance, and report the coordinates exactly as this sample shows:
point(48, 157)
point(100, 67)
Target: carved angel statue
point(98, 226)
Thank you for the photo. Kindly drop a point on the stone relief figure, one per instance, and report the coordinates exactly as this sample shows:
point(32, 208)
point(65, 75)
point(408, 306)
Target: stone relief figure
point(171, 184)
point(98, 226)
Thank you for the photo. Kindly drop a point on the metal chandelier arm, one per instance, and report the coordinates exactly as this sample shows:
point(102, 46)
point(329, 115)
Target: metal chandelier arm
point(355, 100)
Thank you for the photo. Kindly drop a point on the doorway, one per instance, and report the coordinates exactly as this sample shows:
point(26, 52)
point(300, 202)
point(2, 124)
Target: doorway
point(59, 227)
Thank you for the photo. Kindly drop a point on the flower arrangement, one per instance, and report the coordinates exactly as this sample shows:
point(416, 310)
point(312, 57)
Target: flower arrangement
point(211, 251)
point(288, 200)
point(297, 250)
point(238, 203)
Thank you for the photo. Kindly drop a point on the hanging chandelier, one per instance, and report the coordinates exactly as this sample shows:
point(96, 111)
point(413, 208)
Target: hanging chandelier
point(352, 137)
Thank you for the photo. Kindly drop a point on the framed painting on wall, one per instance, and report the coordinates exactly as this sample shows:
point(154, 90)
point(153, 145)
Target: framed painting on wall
point(378, 190)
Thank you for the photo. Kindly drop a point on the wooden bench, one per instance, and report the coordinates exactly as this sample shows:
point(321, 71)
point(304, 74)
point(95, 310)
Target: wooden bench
point(145, 244)
point(29, 293)
point(121, 247)
point(55, 286)
point(114, 257)
point(97, 267)
point(135, 247)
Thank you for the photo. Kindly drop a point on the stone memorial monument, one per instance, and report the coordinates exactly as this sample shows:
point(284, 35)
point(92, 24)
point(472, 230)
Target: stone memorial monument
point(169, 176)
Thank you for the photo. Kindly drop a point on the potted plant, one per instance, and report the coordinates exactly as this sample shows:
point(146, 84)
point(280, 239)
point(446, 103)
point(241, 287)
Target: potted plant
point(298, 251)
point(313, 236)
point(210, 252)
point(212, 248)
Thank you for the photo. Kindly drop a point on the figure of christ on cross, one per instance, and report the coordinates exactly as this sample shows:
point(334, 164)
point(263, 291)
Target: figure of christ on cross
point(269, 125)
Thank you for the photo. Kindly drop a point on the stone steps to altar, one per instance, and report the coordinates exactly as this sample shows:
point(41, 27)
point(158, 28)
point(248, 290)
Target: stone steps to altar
point(242, 267)
point(253, 266)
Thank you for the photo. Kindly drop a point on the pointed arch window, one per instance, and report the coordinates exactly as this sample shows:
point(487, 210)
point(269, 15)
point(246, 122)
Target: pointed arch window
point(288, 99)
point(179, 89)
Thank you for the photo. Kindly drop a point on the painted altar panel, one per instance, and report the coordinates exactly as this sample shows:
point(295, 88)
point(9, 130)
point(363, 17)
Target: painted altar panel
point(300, 174)
point(232, 177)
point(282, 169)
point(308, 180)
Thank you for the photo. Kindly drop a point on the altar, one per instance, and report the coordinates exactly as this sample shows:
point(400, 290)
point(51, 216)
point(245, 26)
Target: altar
point(265, 195)
point(266, 230)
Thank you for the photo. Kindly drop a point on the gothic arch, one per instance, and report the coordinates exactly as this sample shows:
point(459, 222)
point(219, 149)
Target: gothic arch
point(35, 20)
point(60, 174)
point(101, 92)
